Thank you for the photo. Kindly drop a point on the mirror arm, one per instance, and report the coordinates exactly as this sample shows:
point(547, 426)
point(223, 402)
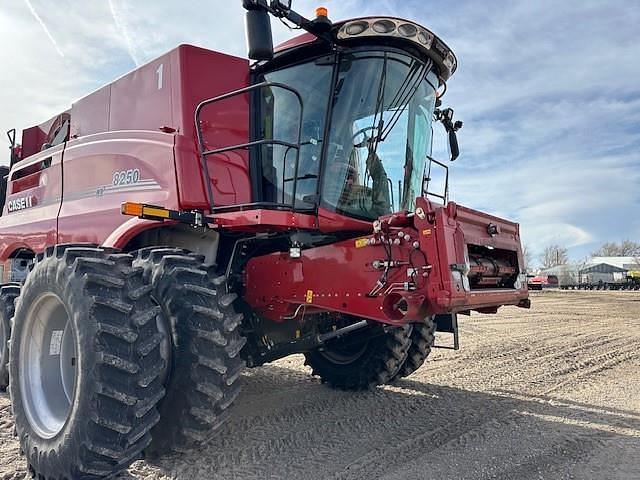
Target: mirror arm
point(445, 117)
point(319, 27)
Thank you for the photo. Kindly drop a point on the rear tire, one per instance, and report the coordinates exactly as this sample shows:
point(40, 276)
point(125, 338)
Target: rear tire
point(422, 340)
point(8, 294)
point(84, 364)
point(366, 365)
point(203, 380)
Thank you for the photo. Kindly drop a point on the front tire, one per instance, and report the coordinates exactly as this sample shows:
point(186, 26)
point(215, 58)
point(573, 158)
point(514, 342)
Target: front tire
point(362, 365)
point(84, 364)
point(204, 377)
point(422, 340)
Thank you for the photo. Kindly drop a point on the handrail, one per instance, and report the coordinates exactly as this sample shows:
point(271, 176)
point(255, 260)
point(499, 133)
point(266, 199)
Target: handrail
point(426, 179)
point(204, 152)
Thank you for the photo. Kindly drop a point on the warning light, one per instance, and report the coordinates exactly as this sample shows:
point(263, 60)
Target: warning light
point(133, 209)
point(322, 12)
point(144, 211)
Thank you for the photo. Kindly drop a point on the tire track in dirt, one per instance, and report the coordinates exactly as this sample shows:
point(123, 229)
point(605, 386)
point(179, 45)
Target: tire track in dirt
point(450, 419)
point(530, 365)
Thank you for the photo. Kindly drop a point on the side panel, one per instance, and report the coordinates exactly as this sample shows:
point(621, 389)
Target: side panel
point(142, 99)
point(33, 200)
point(102, 171)
point(204, 75)
point(90, 114)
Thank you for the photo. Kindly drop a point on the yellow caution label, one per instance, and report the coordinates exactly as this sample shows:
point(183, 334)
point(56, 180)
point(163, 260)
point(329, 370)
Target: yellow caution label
point(309, 296)
point(361, 242)
point(155, 212)
point(426, 232)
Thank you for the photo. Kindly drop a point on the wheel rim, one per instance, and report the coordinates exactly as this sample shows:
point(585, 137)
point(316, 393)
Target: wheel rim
point(47, 365)
point(343, 357)
point(344, 350)
point(340, 353)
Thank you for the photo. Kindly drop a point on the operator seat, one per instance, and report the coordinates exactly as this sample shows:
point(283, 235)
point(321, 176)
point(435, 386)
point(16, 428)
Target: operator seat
point(4, 177)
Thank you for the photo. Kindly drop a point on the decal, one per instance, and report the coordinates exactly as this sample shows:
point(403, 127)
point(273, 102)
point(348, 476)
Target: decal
point(309, 296)
point(56, 342)
point(21, 203)
point(361, 242)
point(126, 177)
point(159, 73)
point(426, 232)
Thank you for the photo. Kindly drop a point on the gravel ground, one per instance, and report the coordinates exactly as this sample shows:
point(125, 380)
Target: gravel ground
point(550, 393)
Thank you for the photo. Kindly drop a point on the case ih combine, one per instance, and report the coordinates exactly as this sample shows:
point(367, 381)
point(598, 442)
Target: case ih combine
point(270, 208)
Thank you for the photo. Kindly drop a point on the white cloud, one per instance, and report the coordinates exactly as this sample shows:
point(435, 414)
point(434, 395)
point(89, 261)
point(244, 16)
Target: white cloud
point(548, 91)
point(119, 21)
point(44, 27)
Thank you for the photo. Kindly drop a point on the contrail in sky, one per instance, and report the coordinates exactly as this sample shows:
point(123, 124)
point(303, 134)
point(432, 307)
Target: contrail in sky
point(123, 31)
point(44, 27)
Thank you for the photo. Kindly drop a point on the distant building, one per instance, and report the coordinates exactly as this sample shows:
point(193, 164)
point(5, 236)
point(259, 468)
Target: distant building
point(627, 263)
point(597, 269)
point(602, 272)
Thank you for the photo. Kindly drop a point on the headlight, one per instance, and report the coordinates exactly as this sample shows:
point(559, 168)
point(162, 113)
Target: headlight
point(402, 29)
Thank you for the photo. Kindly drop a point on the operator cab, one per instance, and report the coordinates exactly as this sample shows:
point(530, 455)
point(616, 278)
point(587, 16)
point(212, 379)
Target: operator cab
point(341, 117)
point(365, 136)
point(367, 98)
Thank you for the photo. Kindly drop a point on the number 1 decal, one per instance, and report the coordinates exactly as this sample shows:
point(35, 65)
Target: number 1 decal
point(159, 72)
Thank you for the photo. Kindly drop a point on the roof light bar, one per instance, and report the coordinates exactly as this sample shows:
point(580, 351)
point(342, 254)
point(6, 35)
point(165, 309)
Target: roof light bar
point(402, 29)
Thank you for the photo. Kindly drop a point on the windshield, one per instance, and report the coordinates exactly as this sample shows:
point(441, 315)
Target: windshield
point(380, 134)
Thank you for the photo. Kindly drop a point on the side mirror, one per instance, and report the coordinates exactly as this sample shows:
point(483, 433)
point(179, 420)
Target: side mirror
point(453, 145)
point(446, 117)
point(259, 37)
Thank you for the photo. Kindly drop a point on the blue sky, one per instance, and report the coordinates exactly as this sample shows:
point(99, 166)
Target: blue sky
point(549, 92)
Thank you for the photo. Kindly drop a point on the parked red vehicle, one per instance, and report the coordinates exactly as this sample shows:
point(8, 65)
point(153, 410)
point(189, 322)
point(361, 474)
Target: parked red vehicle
point(539, 282)
point(204, 213)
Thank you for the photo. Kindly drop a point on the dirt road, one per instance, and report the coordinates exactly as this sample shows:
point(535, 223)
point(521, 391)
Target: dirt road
point(552, 393)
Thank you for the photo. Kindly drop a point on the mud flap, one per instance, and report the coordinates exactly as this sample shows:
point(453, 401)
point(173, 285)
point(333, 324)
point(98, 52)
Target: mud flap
point(448, 323)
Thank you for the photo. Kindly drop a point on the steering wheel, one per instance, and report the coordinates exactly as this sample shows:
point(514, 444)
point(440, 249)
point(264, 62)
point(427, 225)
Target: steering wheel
point(366, 138)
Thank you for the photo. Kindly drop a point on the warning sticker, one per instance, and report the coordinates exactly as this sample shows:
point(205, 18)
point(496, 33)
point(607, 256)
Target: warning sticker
point(426, 232)
point(56, 341)
point(309, 296)
point(361, 242)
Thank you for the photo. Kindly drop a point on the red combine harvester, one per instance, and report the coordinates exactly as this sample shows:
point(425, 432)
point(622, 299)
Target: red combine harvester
point(274, 207)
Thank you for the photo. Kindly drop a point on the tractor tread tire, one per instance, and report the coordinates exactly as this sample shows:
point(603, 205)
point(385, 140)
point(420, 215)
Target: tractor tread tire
point(383, 357)
point(422, 340)
point(114, 410)
point(205, 374)
point(8, 295)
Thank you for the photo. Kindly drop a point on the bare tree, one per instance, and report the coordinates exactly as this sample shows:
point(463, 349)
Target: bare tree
point(527, 256)
point(554, 255)
point(626, 248)
point(629, 248)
